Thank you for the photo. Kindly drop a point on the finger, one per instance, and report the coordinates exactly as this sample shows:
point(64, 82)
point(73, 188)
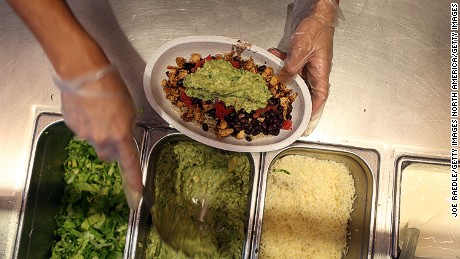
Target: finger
point(130, 170)
point(285, 76)
point(319, 69)
point(318, 77)
point(105, 152)
point(317, 100)
point(314, 120)
point(278, 53)
point(320, 90)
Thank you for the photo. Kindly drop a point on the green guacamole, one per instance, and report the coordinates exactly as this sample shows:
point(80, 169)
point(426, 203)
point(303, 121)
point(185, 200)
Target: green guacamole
point(218, 79)
point(201, 193)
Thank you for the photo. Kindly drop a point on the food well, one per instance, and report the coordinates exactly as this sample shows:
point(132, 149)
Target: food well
point(424, 225)
point(144, 224)
point(44, 191)
point(361, 225)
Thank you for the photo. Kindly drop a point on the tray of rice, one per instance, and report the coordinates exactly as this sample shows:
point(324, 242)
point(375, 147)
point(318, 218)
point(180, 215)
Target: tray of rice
point(315, 203)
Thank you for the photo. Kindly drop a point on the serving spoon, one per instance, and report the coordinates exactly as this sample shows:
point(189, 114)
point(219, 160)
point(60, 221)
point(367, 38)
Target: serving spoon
point(185, 238)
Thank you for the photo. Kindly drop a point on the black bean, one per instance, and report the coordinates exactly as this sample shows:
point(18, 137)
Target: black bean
point(212, 112)
point(261, 68)
point(280, 116)
point(195, 100)
point(205, 126)
point(180, 82)
point(273, 101)
point(248, 138)
point(275, 132)
point(264, 125)
point(244, 120)
point(288, 116)
point(256, 132)
point(189, 66)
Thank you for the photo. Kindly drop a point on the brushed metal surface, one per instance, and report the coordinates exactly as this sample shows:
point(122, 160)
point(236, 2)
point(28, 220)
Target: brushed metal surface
point(389, 83)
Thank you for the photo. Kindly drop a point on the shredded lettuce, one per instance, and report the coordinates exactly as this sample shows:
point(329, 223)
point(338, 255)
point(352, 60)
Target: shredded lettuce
point(93, 216)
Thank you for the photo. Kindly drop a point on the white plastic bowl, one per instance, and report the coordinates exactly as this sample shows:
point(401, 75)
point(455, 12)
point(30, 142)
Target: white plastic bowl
point(166, 55)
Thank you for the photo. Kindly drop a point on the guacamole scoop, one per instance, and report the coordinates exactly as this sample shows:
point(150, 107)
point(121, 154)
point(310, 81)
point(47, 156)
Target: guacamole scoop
point(218, 79)
point(201, 200)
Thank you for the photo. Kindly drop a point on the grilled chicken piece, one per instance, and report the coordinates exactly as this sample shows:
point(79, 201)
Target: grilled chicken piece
point(250, 66)
point(195, 57)
point(180, 61)
point(240, 135)
point(222, 124)
point(222, 133)
point(182, 74)
point(198, 115)
point(207, 106)
point(284, 102)
point(229, 56)
point(268, 73)
point(274, 80)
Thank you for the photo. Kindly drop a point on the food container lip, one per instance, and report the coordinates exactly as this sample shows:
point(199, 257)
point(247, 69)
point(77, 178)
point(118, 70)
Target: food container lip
point(401, 162)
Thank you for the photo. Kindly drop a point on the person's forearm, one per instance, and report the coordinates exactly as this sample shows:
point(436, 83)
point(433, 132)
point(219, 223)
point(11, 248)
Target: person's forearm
point(69, 47)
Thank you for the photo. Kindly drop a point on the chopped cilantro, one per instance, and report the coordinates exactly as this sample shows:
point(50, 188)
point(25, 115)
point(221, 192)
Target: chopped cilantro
point(276, 170)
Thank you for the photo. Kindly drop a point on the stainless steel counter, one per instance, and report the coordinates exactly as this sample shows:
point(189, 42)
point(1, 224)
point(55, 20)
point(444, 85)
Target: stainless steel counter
point(390, 80)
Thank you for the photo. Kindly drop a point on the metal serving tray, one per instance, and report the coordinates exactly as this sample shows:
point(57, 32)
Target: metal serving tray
point(363, 165)
point(154, 141)
point(401, 163)
point(44, 189)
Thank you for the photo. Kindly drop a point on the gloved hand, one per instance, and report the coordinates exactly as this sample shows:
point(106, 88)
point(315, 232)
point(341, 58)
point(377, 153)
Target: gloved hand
point(310, 52)
point(98, 108)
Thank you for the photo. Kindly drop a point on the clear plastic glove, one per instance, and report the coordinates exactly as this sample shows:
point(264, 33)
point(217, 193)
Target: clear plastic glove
point(98, 108)
point(310, 52)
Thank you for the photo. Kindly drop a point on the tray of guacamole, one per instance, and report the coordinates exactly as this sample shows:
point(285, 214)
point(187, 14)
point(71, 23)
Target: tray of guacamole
point(202, 194)
point(227, 94)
